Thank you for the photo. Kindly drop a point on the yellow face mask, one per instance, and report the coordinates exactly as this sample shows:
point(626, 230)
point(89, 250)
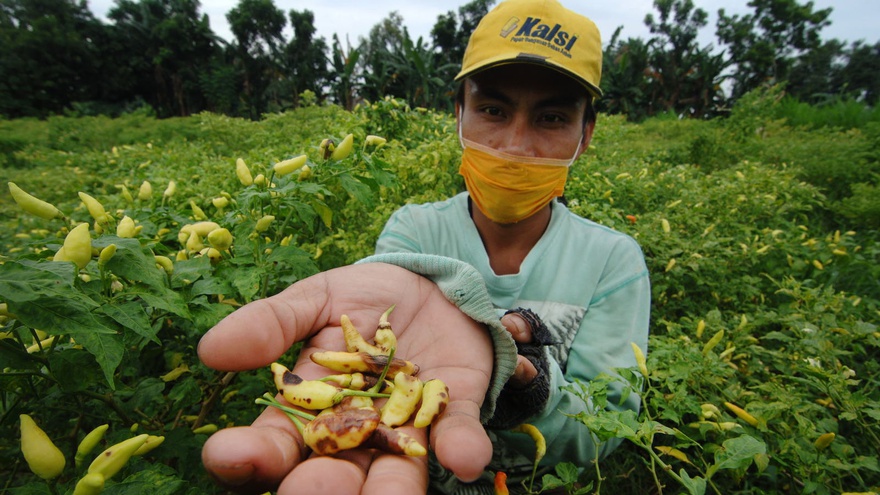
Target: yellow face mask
point(509, 188)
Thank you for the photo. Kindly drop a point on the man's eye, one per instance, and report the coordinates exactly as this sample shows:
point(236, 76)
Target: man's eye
point(553, 119)
point(493, 111)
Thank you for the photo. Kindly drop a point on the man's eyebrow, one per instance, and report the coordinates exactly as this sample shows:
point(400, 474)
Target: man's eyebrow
point(557, 100)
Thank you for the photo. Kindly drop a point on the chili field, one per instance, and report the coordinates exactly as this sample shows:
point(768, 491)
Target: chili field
point(761, 238)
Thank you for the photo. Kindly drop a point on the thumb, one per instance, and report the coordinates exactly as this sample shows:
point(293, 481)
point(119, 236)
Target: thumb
point(518, 328)
point(460, 442)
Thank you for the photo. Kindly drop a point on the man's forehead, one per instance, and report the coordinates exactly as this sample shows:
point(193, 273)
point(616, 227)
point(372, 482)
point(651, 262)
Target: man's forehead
point(511, 79)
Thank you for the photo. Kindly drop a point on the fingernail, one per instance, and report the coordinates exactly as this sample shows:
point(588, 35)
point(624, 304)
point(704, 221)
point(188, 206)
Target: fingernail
point(232, 475)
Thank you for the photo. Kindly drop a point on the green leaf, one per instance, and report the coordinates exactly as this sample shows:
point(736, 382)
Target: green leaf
point(132, 316)
point(26, 280)
point(695, 486)
point(164, 299)
point(131, 261)
point(323, 211)
point(739, 452)
point(74, 369)
point(146, 481)
point(357, 189)
point(185, 393)
point(188, 271)
point(568, 472)
point(35, 488)
point(107, 349)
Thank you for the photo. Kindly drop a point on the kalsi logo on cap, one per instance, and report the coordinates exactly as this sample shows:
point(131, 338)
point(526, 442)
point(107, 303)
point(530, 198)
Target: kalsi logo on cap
point(533, 31)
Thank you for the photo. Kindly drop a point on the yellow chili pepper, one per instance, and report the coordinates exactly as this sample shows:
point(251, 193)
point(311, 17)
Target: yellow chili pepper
point(304, 173)
point(354, 341)
point(385, 338)
point(151, 443)
point(393, 440)
point(77, 247)
point(42, 456)
point(221, 239)
point(220, 202)
point(200, 228)
point(90, 484)
point(96, 209)
point(88, 444)
point(285, 167)
point(640, 359)
point(435, 398)
point(403, 401)
point(170, 190)
point(165, 263)
point(709, 411)
point(537, 437)
point(198, 213)
point(107, 254)
point(824, 441)
point(340, 427)
point(126, 228)
point(343, 149)
point(348, 362)
point(741, 413)
point(175, 373)
point(264, 223)
point(672, 451)
point(145, 192)
point(713, 342)
point(33, 205)
point(372, 140)
point(113, 459)
point(126, 195)
point(205, 430)
point(243, 173)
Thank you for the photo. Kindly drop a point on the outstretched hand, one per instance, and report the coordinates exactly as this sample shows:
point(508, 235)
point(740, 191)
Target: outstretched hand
point(431, 332)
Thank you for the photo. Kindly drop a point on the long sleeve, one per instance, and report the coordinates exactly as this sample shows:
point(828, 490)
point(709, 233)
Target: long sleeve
point(601, 345)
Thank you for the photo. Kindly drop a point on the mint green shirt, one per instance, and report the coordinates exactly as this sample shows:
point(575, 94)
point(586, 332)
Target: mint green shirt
point(590, 286)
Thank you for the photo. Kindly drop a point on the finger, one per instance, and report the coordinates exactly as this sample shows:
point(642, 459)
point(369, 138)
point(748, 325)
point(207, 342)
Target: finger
point(460, 442)
point(397, 475)
point(321, 475)
point(253, 458)
point(524, 374)
point(518, 328)
point(260, 332)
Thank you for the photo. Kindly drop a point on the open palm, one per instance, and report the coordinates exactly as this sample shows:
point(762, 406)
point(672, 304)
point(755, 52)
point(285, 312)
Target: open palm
point(431, 332)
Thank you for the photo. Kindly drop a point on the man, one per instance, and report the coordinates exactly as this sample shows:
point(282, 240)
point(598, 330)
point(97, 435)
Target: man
point(572, 294)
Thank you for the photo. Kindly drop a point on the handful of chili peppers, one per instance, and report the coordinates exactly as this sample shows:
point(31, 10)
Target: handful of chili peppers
point(346, 417)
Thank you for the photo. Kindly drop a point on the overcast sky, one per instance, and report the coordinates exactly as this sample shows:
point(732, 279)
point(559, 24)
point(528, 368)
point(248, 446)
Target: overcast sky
point(851, 20)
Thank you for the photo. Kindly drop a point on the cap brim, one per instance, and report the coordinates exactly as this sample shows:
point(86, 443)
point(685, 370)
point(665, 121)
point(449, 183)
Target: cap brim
point(525, 58)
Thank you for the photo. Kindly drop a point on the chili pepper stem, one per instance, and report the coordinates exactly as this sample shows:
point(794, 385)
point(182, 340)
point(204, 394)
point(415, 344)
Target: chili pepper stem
point(378, 386)
point(268, 400)
point(364, 393)
point(383, 320)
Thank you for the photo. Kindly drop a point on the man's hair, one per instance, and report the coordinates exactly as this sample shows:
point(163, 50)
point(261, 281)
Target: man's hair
point(589, 111)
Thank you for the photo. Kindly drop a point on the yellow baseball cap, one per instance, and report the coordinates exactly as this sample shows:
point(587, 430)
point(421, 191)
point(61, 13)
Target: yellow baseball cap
point(540, 32)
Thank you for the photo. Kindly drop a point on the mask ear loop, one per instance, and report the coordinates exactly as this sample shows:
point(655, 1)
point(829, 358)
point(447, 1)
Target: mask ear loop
point(577, 148)
point(571, 161)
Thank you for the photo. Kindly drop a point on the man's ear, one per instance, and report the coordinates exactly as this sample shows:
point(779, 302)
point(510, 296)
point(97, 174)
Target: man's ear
point(588, 136)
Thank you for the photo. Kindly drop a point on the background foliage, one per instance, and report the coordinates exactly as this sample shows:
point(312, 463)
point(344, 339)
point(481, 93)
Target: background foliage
point(758, 232)
point(162, 55)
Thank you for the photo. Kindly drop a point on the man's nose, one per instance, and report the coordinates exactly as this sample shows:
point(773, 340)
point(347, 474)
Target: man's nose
point(518, 138)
